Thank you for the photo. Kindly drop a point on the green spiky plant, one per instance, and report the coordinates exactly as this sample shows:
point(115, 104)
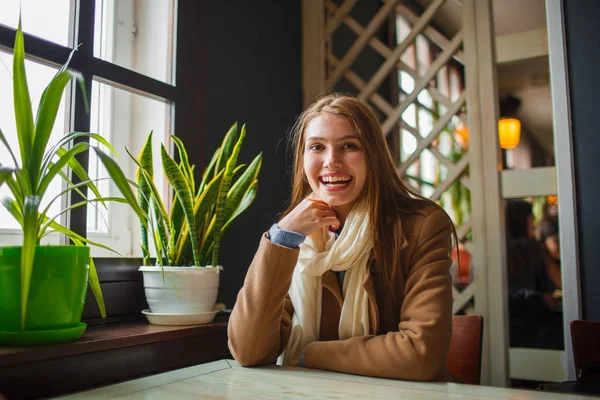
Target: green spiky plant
point(190, 232)
point(40, 164)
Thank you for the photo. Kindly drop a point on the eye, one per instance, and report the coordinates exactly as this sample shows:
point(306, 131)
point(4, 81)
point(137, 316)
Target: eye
point(350, 146)
point(315, 147)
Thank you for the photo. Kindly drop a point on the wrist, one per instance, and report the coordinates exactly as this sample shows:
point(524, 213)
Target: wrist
point(284, 237)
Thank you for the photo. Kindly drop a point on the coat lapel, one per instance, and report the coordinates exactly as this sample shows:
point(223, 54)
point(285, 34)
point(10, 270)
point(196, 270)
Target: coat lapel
point(373, 308)
point(330, 282)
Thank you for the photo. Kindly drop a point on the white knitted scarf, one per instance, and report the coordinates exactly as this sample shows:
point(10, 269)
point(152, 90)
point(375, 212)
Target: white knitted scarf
point(320, 253)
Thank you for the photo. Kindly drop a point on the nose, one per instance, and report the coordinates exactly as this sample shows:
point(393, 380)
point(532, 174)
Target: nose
point(333, 159)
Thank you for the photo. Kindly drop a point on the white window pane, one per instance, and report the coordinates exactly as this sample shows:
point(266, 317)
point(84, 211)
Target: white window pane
point(427, 191)
point(409, 116)
point(428, 166)
point(125, 119)
point(407, 82)
point(424, 98)
point(48, 19)
point(445, 142)
point(137, 35)
point(425, 122)
point(38, 77)
point(409, 145)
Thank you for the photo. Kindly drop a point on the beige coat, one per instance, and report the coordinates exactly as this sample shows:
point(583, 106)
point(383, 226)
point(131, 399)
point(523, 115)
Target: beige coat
point(413, 333)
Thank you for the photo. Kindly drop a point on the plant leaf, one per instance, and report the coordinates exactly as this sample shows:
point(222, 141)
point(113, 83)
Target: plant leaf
point(70, 186)
point(15, 189)
point(22, 180)
point(202, 206)
point(223, 190)
point(22, 101)
point(207, 241)
point(247, 200)
point(30, 229)
point(239, 188)
point(75, 237)
point(177, 216)
point(207, 171)
point(46, 225)
point(176, 179)
point(70, 137)
point(185, 162)
point(145, 162)
point(235, 196)
point(160, 222)
point(12, 206)
point(177, 221)
point(153, 190)
point(227, 147)
point(60, 164)
point(5, 143)
point(94, 281)
point(162, 225)
point(119, 178)
point(79, 171)
point(5, 174)
point(46, 116)
point(96, 289)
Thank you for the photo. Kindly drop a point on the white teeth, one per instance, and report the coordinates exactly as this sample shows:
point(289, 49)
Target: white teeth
point(331, 179)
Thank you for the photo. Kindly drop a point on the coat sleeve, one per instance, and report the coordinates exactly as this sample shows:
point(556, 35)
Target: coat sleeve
point(418, 350)
point(260, 323)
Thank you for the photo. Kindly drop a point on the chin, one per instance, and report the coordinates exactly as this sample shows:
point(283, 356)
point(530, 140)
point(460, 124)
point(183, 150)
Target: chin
point(338, 201)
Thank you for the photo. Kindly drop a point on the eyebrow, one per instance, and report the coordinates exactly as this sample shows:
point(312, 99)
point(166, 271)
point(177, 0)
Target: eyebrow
point(337, 140)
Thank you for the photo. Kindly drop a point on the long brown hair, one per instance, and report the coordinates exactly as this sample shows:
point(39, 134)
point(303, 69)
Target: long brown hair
point(388, 199)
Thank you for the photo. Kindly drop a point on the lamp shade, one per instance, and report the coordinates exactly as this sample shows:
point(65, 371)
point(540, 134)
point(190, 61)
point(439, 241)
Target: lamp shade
point(509, 132)
point(462, 131)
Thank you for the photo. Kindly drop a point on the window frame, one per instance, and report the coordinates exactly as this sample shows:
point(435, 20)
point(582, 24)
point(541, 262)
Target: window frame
point(92, 69)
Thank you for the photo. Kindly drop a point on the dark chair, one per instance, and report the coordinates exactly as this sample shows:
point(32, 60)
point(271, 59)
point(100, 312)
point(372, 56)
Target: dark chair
point(585, 336)
point(464, 356)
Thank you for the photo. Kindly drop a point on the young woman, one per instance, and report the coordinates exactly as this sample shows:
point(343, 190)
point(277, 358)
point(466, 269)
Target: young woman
point(355, 277)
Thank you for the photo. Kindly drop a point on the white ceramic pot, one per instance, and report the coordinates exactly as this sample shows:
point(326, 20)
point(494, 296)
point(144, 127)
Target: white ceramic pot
point(181, 290)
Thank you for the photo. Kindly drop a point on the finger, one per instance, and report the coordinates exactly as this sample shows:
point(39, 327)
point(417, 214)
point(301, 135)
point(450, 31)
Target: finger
point(322, 207)
point(325, 213)
point(318, 203)
point(330, 221)
point(336, 225)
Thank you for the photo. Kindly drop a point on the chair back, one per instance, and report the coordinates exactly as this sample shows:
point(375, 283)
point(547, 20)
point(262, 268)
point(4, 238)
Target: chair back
point(585, 336)
point(464, 355)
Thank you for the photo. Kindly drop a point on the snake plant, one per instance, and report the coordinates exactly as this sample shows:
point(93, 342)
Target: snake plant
point(190, 232)
point(40, 164)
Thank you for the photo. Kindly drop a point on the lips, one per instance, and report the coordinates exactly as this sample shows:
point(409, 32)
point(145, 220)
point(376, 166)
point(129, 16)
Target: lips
point(335, 181)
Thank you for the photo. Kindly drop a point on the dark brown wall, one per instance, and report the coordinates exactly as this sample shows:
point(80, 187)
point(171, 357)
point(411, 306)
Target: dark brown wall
point(582, 18)
point(241, 61)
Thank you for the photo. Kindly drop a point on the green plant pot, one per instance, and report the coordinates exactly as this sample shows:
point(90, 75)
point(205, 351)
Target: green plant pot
point(57, 295)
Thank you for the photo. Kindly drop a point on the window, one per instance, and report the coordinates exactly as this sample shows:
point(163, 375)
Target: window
point(127, 62)
point(137, 35)
point(113, 111)
point(51, 20)
point(38, 76)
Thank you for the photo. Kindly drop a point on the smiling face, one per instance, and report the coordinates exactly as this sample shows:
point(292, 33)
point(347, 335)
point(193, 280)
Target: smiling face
point(334, 162)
